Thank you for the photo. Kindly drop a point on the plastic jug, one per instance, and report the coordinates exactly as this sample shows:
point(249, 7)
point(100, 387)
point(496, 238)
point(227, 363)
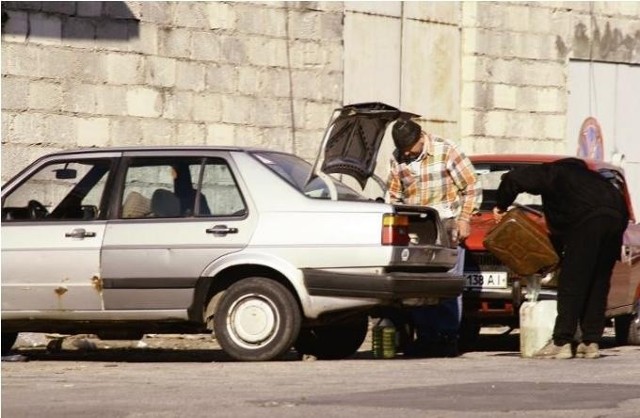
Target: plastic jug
point(537, 320)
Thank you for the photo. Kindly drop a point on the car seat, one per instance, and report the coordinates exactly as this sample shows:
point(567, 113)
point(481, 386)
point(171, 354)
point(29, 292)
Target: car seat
point(136, 206)
point(165, 204)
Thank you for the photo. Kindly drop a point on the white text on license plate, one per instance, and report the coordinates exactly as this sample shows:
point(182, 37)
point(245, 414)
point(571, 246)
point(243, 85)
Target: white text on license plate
point(486, 280)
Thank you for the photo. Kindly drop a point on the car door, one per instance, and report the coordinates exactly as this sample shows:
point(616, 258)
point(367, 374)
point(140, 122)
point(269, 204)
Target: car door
point(53, 222)
point(178, 212)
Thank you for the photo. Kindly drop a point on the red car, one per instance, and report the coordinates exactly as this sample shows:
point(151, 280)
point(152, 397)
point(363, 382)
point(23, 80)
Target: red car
point(493, 294)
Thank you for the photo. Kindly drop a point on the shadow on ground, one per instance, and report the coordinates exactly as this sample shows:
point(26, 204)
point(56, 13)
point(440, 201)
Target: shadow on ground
point(127, 355)
point(507, 342)
point(181, 349)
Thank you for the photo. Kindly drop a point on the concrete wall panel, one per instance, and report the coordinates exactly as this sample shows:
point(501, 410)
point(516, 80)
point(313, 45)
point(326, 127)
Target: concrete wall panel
point(383, 8)
point(372, 59)
point(442, 12)
point(431, 70)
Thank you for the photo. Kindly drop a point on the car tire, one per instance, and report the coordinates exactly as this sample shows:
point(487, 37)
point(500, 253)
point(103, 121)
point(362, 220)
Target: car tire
point(621, 325)
point(634, 330)
point(8, 340)
point(257, 319)
point(335, 341)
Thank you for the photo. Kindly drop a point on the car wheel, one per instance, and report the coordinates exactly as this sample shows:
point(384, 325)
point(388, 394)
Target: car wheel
point(634, 330)
point(257, 319)
point(621, 325)
point(8, 339)
point(332, 342)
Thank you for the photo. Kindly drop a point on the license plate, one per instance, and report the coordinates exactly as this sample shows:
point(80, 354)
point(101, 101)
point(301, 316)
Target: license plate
point(486, 280)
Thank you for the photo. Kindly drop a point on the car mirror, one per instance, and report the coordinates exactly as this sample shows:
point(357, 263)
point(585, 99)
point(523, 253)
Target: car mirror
point(66, 173)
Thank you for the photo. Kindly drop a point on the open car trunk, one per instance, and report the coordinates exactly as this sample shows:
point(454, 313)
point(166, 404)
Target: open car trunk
point(352, 140)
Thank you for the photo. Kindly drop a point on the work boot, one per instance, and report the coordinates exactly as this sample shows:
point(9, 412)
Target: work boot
point(590, 350)
point(553, 351)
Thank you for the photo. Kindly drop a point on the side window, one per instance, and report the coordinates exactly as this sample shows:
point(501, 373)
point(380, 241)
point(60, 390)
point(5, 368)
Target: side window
point(490, 176)
point(613, 177)
point(62, 190)
point(220, 193)
point(170, 188)
point(149, 190)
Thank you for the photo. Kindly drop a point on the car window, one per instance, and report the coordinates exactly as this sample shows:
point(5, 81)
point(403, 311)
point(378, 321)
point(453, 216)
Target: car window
point(59, 191)
point(490, 176)
point(613, 177)
point(180, 187)
point(296, 171)
point(220, 190)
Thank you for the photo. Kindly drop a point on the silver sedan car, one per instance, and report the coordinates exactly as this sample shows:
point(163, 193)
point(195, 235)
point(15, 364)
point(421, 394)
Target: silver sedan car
point(261, 248)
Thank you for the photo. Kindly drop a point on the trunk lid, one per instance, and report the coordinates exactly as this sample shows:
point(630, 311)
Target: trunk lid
point(352, 140)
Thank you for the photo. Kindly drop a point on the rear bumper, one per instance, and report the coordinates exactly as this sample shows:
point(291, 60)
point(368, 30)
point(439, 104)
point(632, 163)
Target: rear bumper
point(515, 294)
point(492, 305)
point(387, 286)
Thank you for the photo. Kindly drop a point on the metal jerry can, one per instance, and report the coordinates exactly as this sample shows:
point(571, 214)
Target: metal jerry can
point(521, 244)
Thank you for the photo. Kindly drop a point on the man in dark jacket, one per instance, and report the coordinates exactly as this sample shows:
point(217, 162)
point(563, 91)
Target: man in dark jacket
point(586, 215)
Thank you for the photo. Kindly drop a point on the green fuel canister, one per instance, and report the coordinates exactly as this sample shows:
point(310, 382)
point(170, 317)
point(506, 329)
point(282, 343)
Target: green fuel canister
point(384, 339)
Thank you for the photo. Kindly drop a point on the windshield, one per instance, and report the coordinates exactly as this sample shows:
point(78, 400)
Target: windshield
point(295, 171)
point(490, 175)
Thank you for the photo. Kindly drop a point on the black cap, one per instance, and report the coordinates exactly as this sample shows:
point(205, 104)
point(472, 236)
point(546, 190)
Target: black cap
point(405, 133)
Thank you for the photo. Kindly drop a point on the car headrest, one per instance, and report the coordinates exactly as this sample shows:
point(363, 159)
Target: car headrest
point(165, 204)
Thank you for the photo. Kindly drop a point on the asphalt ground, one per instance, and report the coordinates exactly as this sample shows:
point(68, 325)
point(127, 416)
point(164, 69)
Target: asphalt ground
point(188, 376)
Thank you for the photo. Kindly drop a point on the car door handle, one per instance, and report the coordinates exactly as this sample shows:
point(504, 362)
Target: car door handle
point(80, 233)
point(222, 230)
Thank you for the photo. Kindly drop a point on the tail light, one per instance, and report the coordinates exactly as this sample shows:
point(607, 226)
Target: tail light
point(395, 229)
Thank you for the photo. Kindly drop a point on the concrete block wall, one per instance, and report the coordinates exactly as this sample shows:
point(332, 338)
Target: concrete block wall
point(489, 75)
point(93, 74)
point(515, 59)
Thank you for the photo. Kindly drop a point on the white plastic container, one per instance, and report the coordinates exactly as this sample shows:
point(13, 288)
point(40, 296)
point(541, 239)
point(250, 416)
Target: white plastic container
point(536, 325)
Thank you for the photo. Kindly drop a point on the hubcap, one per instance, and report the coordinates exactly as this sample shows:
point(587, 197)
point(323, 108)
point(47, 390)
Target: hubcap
point(253, 320)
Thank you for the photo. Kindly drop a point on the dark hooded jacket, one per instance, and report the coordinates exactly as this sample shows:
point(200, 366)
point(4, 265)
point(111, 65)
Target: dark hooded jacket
point(571, 193)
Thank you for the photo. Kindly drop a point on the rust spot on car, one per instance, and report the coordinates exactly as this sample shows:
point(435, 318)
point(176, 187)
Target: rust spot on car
point(97, 283)
point(60, 290)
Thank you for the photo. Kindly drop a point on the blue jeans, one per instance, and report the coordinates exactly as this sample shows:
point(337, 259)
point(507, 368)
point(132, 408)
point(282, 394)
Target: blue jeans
point(438, 323)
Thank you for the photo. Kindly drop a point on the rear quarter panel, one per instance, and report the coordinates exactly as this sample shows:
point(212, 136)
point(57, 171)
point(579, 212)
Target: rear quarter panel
point(323, 239)
point(312, 232)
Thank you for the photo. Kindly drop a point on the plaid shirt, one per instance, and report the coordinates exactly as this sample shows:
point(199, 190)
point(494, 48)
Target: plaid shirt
point(443, 178)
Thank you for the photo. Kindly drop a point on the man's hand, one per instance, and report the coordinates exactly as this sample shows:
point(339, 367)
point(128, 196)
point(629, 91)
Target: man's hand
point(464, 230)
point(498, 214)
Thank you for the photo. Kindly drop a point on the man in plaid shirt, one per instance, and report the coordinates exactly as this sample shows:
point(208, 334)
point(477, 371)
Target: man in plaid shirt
point(431, 171)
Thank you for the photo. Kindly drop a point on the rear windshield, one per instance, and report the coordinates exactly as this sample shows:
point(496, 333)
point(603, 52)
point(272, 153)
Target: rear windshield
point(490, 174)
point(295, 171)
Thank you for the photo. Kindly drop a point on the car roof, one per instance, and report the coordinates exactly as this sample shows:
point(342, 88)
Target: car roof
point(160, 148)
point(595, 165)
point(538, 159)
